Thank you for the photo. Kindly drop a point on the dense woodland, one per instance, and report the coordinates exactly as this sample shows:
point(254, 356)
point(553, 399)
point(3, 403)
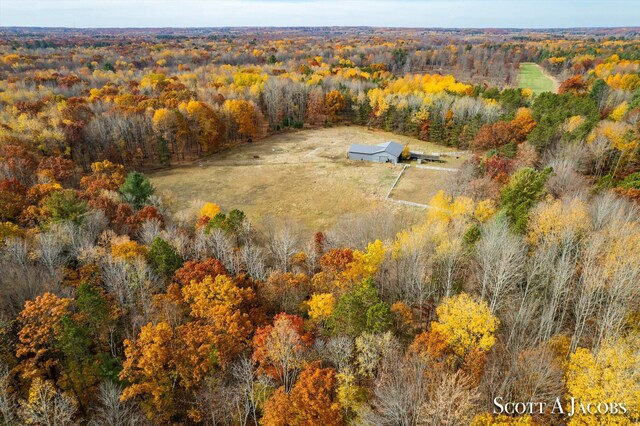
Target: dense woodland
point(520, 281)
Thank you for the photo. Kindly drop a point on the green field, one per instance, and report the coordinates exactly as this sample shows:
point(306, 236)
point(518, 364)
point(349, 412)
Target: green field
point(533, 77)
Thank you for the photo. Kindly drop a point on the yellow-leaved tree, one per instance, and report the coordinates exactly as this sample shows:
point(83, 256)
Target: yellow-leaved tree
point(618, 135)
point(243, 113)
point(365, 264)
point(350, 395)
point(618, 112)
point(205, 121)
point(552, 221)
point(148, 367)
point(209, 210)
point(321, 306)
point(486, 419)
point(611, 375)
point(450, 222)
point(127, 250)
point(465, 324)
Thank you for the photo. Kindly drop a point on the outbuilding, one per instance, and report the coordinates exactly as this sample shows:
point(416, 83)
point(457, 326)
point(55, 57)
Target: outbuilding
point(387, 152)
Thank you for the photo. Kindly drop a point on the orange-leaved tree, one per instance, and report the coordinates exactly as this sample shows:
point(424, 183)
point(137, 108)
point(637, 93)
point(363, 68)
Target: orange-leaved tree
point(40, 320)
point(217, 304)
point(312, 401)
point(280, 348)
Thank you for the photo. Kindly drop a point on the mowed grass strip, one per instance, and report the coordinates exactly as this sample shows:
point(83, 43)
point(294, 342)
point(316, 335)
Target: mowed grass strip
point(533, 77)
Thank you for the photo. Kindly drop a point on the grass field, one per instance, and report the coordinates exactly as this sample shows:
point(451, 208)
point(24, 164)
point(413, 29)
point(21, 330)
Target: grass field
point(533, 77)
point(304, 175)
point(419, 185)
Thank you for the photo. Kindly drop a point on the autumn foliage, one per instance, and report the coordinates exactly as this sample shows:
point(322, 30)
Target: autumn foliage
point(515, 277)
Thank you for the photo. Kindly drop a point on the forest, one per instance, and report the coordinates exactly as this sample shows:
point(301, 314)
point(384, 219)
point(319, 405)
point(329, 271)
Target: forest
point(518, 283)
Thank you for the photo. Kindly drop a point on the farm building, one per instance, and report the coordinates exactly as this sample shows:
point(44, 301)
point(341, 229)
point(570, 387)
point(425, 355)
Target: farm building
point(421, 156)
point(387, 152)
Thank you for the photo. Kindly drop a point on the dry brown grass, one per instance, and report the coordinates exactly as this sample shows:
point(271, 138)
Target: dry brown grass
point(304, 175)
point(419, 185)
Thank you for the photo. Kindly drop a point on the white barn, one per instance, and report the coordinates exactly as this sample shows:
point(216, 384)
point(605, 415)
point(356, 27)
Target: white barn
point(387, 152)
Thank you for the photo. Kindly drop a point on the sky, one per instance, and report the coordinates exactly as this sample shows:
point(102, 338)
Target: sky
point(274, 13)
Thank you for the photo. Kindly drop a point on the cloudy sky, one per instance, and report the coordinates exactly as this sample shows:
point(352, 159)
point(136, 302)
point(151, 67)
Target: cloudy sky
point(399, 13)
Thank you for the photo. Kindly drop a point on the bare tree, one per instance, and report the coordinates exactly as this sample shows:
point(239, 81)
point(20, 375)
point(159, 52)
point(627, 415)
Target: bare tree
point(413, 265)
point(588, 290)
point(15, 251)
point(253, 260)
point(200, 245)
point(295, 100)
point(338, 350)
point(22, 278)
point(179, 239)
point(149, 230)
point(312, 258)
point(501, 256)
point(621, 291)
point(112, 411)
point(356, 231)
point(399, 393)
point(282, 242)
point(559, 266)
point(452, 402)
point(448, 264)
point(222, 248)
point(8, 404)
point(47, 406)
point(115, 277)
point(519, 322)
point(565, 180)
point(273, 96)
point(217, 401)
point(251, 389)
point(80, 237)
point(607, 208)
point(51, 252)
point(537, 375)
point(132, 283)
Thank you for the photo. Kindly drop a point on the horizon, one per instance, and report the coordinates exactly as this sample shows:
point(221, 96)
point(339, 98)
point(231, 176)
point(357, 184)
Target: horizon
point(406, 14)
point(628, 27)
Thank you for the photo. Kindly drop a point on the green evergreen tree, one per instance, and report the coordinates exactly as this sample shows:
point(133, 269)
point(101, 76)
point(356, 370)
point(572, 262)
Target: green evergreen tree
point(360, 310)
point(164, 154)
point(137, 189)
point(65, 205)
point(163, 257)
point(523, 191)
point(231, 222)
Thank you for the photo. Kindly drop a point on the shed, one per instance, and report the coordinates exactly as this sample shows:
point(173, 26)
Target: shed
point(415, 155)
point(387, 152)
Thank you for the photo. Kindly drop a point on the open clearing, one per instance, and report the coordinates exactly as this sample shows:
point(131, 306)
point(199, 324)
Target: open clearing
point(418, 185)
point(304, 175)
point(533, 77)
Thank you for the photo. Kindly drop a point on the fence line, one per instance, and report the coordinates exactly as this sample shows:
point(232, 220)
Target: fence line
point(397, 179)
point(409, 203)
point(442, 169)
point(450, 153)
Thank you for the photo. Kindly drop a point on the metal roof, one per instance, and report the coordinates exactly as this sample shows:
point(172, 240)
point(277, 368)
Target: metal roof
point(393, 148)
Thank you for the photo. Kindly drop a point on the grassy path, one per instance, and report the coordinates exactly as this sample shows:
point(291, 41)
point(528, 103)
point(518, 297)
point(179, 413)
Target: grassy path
point(533, 77)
